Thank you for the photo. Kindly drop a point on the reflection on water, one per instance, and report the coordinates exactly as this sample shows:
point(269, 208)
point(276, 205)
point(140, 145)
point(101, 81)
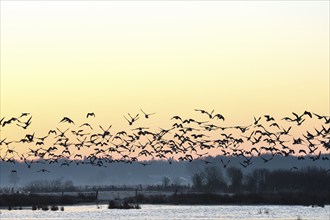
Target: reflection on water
point(174, 212)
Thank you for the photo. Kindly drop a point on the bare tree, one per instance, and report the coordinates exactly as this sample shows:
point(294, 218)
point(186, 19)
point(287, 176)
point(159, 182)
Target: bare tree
point(68, 185)
point(214, 179)
point(56, 185)
point(235, 176)
point(13, 178)
point(177, 181)
point(198, 181)
point(166, 182)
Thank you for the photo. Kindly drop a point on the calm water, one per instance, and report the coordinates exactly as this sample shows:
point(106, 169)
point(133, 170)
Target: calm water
point(174, 212)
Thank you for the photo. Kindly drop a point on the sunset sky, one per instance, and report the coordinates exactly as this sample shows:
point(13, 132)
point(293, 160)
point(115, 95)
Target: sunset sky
point(242, 59)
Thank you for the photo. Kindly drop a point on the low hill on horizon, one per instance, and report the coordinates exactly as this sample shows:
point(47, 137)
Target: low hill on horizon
point(147, 172)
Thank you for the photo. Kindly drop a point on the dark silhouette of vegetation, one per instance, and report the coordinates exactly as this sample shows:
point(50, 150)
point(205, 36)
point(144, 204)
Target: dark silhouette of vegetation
point(235, 176)
point(166, 182)
point(309, 186)
point(306, 186)
point(56, 185)
point(43, 200)
point(214, 180)
point(307, 180)
point(287, 198)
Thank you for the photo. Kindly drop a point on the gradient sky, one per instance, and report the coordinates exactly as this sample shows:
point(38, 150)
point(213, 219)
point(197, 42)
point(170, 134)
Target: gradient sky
point(240, 58)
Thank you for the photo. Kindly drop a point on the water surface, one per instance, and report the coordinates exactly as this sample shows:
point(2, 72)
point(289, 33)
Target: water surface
point(175, 212)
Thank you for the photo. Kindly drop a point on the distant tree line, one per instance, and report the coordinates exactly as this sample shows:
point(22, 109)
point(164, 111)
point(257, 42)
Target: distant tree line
point(210, 180)
point(310, 179)
point(55, 185)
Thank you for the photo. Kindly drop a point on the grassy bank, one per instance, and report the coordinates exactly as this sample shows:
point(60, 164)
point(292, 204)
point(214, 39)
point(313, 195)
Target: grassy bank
point(283, 198)
point(289, 198)
point(39, 200)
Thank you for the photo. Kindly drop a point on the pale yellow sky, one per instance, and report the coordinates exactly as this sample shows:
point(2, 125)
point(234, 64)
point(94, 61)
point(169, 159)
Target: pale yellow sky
point(240, 58)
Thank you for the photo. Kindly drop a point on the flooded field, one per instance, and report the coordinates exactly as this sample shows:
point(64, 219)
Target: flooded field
point(174, 212)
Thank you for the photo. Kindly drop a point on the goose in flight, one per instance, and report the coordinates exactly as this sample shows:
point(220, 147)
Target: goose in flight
point(105, 132)
point(43, 171)
point(2, 121)
point(144, 164)
point(132, 119)
point(68, 120)
point(9, 121)
point(256, 121)
point(87, 125)
point(219, 116)
point(26, 124)
point(147, 115)
point(269, 118)
point(24, 114)
point(224, 164)
point(176, 118)
point(205, 112)
point(90, 114)
point(129, 122)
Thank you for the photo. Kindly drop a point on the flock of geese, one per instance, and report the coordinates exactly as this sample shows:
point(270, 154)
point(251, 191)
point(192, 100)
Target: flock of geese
point(187, 139)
